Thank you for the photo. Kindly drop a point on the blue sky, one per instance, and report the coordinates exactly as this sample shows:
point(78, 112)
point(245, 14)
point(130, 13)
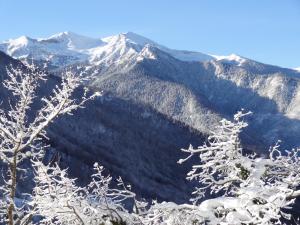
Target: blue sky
point(264, 30)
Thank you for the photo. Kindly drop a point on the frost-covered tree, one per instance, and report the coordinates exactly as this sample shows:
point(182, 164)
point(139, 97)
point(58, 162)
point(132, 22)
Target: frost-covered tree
point(20, 135)
point(252, 189)
point(58, 200)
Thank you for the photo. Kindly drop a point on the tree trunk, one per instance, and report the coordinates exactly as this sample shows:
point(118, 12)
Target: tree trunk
point(13, 174)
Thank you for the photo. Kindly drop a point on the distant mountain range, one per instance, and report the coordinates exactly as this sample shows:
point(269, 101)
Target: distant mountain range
point(157, 100)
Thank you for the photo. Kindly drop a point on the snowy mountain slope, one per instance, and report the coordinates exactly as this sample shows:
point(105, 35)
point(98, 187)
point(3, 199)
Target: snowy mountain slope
point(197, 93)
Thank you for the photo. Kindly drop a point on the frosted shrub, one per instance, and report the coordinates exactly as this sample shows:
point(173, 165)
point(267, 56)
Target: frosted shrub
point(252, 189)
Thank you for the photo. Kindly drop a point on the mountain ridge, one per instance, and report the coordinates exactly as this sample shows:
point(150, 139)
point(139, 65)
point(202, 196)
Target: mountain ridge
point(68, 48)
point(86, 48)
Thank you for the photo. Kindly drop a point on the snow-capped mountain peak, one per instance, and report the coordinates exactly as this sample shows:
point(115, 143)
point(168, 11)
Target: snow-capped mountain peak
point(61, 35)
point(129, 37)
point(140, 42)
point(74, 41)
point(67, 48)
point(138, 39)
point(21, 41)
point(232, 58)
point(13, 45)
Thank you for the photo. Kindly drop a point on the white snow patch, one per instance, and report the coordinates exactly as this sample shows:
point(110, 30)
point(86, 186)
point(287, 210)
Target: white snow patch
point(297, 69)
point(146, 53)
